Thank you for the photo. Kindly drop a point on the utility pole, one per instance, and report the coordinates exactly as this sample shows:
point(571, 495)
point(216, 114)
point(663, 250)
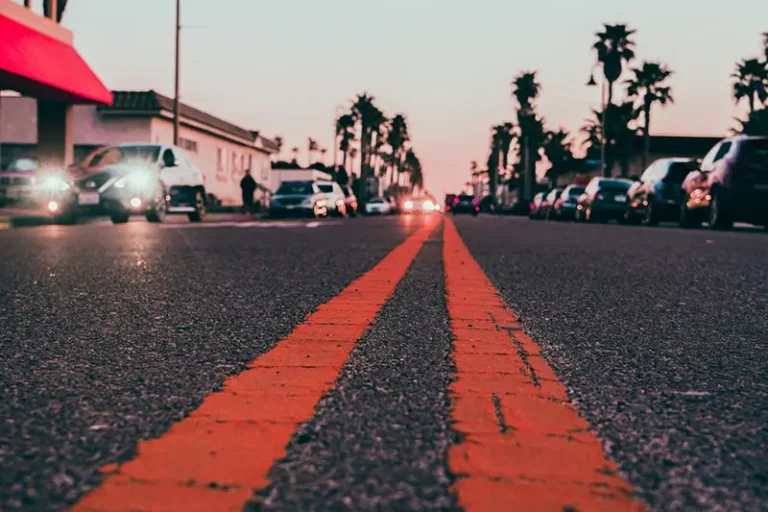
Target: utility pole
point(176, 106)
point(528, 181)
point(606, 172)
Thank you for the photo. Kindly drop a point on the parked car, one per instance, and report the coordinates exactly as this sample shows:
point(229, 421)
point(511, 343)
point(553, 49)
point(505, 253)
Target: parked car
point(335, 199)
point(603, 200)
point(655, 197)
point(731, 185)
point(378, 206)
point(549, 203)
point(350, 201)
point(303, 198)
point(142, 179)
point(565, 205)
point(465, 203)
point(537, 205)
point(17, 181)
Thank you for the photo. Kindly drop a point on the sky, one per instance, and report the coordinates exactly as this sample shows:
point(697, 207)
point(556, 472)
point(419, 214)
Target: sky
point(282, 67)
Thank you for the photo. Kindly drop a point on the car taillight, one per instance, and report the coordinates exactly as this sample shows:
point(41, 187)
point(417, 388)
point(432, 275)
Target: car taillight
point(474, 201)
point(455, 200)
point(599, 196)
point(533, 206)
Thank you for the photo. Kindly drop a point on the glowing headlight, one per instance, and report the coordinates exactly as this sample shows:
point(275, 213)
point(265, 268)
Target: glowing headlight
point(139, 180)
point(409, 205)
point(429, 205)
point(53, 183)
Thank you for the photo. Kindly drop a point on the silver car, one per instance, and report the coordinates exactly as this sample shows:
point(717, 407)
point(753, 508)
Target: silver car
point(334, 195)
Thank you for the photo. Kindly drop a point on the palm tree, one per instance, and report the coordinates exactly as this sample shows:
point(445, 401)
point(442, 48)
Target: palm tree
point(312, 147)
point(345, 129)
point(379, 140)
point(614, 47)
point(323, 151)
point(295, 151)
point(765, 47)
point(412, 166)
point(365, 113)
point(352, 156)
point(397, 137)
point(619, 134)
point(493, 162)
point(506, 136)
point(751, 82)
point(279, 144)
point(558, 150)
point(61, 6)
point(647, 84)
point(525, 89)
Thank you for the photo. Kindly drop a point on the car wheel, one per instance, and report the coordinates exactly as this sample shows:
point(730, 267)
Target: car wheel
point(717, 217)
point(651, 218)
point(158, 213)
point(119, 218)
point(199, 214)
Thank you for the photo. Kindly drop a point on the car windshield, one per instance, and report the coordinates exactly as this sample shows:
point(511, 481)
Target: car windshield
point(575, 191)
point(376, 200)
point(125, 154)
point(465, 198)
point(678, 171)
point(346, 191)
point(295, 188)
point(23, 165)
point(326, 188)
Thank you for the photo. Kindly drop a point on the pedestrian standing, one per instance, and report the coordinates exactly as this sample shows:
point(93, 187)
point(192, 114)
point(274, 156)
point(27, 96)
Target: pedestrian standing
point(247, 187)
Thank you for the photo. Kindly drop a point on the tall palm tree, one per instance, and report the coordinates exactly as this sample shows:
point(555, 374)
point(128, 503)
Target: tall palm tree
point(614, 47)
point(765, 47)
point(619, 133)
point(312, 147)
point(323, 151)
point(751, 82)
point(365, 113)
point(493, 161)
point(506, 136)
point(345, 129)
point(295, 151)
point(397, 137)
point(647, 85)
point(61, 6)
point(279, 144)
point(412, 166)
point(352, 156)
point(525, 89)
point(558, 150)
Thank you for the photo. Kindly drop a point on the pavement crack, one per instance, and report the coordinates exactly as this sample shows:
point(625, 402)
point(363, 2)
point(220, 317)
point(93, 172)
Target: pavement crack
point(499, 413)
point(524, 357)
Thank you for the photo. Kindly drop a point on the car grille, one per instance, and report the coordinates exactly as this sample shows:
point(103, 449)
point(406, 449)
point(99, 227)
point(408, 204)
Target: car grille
point(94, 181)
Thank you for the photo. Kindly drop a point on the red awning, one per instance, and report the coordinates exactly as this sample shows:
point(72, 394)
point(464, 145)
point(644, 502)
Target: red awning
point(40, 66)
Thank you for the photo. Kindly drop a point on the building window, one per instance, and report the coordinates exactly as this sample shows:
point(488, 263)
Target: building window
point(221, 172)
point(189, 145)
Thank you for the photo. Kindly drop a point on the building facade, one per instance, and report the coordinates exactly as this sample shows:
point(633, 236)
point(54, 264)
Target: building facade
point(222, 150)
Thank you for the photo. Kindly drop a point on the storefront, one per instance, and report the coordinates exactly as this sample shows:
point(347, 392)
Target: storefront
point(38, 59)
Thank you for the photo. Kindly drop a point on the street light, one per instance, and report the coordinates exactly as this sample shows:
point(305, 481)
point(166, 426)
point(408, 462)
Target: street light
point(603, 140)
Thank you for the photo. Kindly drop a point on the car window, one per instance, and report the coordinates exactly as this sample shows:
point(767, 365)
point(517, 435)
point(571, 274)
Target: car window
point(295, 188)
point(724, 149)
point(677, 172)
point(325, 188)
point(709, 159)
point(575, 191)
point(614, 185)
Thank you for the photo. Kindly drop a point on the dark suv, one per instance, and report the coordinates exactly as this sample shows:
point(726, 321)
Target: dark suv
point(730, 186)
point(655, 197)
point(603, 200)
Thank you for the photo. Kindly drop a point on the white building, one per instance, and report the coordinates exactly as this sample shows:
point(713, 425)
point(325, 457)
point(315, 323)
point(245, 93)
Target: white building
point(222, 150)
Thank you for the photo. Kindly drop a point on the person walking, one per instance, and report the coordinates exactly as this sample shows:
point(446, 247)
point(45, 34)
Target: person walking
point(247, 187)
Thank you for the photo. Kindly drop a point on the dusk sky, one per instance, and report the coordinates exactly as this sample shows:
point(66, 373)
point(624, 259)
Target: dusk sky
point(283, 67)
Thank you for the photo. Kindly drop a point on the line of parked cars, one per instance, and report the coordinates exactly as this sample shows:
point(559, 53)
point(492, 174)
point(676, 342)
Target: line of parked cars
point(730, 184)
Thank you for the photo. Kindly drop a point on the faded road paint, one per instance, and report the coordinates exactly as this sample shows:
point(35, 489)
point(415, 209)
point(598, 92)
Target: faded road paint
point(524, 446)
point(220, 454)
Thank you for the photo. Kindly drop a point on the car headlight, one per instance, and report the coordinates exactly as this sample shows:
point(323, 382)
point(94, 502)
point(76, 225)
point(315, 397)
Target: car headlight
point(409, 205)
point(141, 181)
point(428, 205)
point(53, 183)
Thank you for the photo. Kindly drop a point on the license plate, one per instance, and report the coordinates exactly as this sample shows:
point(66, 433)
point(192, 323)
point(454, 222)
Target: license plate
point(88, 198)
point(290, 206)
point(621, 199)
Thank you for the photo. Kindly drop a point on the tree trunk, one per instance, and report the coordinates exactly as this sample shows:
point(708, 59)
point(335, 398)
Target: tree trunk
point(344, 162)
point(752, 102)
point(646, 136)
point(610, 95)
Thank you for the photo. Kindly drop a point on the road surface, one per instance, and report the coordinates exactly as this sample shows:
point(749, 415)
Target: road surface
point(486, 363)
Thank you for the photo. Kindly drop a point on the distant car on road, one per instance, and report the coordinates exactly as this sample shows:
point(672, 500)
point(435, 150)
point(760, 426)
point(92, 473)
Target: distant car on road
point(17, 181)
point(449, 199)
point(350, 201)
point(336, 201)
point(420, 205)
point(537, 205)
point(565, 204)
point(47, 192)
point(301, 198)
point(142, 179)
point(603, 200)
point(378, 206)
point(730, 186)
point(655, 197)
point(465, 203)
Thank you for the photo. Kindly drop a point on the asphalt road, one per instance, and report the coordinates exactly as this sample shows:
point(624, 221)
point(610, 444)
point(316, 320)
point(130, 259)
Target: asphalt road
point(111, 334)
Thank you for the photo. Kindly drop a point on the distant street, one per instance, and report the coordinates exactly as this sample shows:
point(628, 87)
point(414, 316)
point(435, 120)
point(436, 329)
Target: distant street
point(197, 338)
